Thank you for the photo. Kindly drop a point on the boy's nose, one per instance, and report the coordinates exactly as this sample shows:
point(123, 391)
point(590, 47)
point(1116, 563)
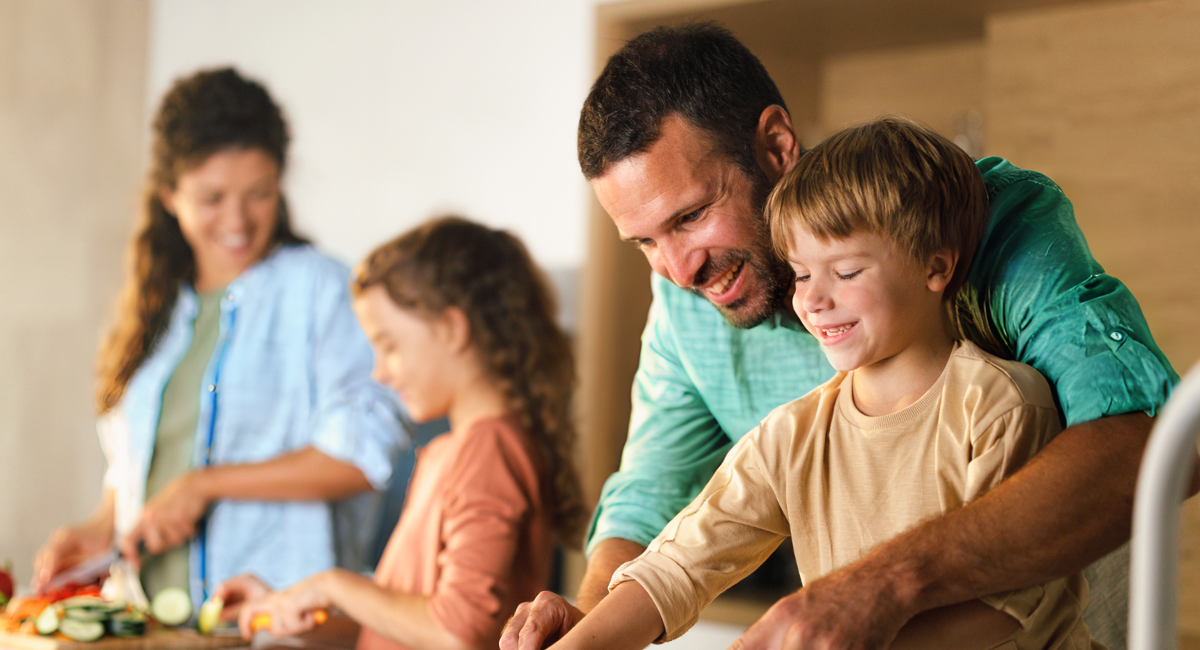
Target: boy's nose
point(813, 297)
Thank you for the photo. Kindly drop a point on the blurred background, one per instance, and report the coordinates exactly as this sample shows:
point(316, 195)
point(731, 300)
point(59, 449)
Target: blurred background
point(402, 109)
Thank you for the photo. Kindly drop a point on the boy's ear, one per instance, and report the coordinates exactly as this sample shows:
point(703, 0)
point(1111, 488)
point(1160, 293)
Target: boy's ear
point(775, 143)
point(455, 328)
point(940, 269)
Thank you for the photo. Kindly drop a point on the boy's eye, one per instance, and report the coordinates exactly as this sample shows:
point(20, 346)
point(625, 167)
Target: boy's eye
point(849, 276)
point(801, 278)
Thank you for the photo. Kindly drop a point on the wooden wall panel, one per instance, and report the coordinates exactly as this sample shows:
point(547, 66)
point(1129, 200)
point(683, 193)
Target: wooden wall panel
point(937, 85)
point(1106, 101)
point(72, 94)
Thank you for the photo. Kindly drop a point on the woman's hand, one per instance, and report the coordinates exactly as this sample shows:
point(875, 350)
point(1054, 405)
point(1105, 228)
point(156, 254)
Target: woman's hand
point(169, 519)
point(69, 546)
point(238, 592)
point(291, 610)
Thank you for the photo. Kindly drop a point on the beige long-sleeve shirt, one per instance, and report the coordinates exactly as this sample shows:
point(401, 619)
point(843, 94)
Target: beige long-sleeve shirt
point(840, 482)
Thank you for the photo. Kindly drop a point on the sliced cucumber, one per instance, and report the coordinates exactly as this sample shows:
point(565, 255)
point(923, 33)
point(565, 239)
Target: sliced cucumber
point(83, 631)
point(127, 624)
point(172, 606)
point(85, 614)
point(47, 621)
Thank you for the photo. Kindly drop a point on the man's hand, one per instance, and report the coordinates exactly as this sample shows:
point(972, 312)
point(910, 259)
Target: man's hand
point(840, 611)
point(540, 623)
point(239, 591)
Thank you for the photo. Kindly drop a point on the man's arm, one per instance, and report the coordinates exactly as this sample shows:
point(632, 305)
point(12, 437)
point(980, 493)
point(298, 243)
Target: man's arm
point(1069, 506)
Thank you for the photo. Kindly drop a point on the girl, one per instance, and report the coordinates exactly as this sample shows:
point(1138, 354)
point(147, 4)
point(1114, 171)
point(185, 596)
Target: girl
point(462, 325)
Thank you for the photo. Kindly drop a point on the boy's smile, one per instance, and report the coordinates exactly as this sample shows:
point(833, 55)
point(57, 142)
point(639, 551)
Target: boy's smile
point(865, 301)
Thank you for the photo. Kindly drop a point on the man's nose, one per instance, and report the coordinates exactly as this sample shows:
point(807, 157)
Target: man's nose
point(680, 265)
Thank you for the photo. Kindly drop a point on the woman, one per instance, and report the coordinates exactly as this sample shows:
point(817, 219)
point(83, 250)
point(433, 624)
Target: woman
point(235, 397)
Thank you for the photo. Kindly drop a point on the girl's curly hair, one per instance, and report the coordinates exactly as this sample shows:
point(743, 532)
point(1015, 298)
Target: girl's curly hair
point(489, 275)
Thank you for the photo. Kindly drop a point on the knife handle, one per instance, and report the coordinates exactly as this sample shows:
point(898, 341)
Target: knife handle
point(262, 621)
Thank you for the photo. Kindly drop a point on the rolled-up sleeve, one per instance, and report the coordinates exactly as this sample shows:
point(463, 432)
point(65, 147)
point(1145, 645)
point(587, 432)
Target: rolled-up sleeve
point(674, 445)
point(356, 419)
point(730, 528)
point(1056, 308)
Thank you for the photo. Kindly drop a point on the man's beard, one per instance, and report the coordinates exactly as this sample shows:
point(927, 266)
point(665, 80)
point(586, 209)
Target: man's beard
point(773, 276)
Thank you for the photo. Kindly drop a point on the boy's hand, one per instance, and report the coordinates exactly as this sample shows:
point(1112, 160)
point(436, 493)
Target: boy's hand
point(540, 623)
point(833, 612)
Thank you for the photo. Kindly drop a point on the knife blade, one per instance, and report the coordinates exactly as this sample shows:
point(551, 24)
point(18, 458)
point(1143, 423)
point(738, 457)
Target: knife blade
point(84, 573)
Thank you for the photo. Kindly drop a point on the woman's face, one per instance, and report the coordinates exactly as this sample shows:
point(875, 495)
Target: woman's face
point(227, 208)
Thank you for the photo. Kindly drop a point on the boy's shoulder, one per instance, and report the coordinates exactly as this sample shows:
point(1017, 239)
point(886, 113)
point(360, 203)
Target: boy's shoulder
point(987, 386)
point(801, 415)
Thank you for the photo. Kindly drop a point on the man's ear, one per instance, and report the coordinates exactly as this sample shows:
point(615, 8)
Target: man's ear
point(940, 269)
point(455, 328)
point(775, 143)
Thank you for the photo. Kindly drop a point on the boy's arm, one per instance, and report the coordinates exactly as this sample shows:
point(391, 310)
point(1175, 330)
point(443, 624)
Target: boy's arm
point(625, 620)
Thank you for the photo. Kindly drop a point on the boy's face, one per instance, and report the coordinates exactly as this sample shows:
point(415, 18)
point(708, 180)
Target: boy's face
point(862, 298)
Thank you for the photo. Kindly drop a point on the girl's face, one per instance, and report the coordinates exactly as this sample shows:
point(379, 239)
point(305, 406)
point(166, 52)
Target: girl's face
point(411, 353)
point(227, 208)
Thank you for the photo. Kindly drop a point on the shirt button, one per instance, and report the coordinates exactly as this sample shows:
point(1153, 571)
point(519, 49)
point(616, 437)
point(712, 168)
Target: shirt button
point(212, 388)
point(1116, 336)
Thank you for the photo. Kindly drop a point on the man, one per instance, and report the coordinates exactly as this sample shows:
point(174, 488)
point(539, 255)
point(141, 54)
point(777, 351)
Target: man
point(682, 137)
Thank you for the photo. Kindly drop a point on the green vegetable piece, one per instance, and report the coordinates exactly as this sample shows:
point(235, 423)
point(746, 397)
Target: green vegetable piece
point(127, 624)
point(172, 606)
point(47, 621)
point(82, 631)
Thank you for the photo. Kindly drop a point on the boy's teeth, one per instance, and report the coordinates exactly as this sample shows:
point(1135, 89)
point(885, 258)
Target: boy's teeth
point(719, 288)
point(837, 330)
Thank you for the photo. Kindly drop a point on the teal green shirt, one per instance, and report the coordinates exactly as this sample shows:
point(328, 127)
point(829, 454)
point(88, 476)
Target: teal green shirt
point(1034, 293)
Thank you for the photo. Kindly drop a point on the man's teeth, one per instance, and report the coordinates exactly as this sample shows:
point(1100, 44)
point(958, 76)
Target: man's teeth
point(837, 330)
point(718, 288)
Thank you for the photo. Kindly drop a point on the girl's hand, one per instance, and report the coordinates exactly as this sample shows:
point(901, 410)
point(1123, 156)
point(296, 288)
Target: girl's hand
point(67, 547)
point(291, 610)
point(238, 592)
point(169, 519)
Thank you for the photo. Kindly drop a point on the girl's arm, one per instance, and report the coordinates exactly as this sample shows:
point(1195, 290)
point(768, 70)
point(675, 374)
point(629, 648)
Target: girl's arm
point(402, 617)
point(170, 518)
point(625, 620)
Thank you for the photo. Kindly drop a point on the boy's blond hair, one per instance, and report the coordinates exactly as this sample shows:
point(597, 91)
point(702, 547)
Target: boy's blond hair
point(891, 177)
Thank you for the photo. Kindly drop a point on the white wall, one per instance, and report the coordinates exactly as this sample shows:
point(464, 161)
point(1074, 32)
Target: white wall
point(400, 109)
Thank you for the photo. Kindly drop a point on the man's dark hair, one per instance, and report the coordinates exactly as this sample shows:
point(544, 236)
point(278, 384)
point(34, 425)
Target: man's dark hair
point(698, 71)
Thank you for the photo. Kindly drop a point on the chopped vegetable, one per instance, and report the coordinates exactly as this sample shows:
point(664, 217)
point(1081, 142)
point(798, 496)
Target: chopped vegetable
point(127, 624)
point(83, 631)
point(6, 583)
point(210, 614)
point(47, 622)
point(172, 606)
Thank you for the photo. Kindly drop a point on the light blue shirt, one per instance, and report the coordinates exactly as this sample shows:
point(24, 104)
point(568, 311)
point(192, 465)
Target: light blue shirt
point(291, 369)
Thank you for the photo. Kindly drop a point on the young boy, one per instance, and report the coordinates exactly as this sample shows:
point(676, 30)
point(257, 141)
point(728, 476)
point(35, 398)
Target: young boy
point(880, 223)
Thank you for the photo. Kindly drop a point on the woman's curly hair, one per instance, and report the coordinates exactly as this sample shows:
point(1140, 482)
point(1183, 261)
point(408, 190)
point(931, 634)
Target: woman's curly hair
point(489, 275)
point(203, 114)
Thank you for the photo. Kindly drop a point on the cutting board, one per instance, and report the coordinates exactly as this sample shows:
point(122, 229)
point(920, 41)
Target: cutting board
point(154, 639)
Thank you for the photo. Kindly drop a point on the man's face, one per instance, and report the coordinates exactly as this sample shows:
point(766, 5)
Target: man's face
point(698, 218)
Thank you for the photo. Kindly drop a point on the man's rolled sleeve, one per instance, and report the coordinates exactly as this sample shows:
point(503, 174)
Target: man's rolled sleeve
point(1056, 308)
point(674, 445)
